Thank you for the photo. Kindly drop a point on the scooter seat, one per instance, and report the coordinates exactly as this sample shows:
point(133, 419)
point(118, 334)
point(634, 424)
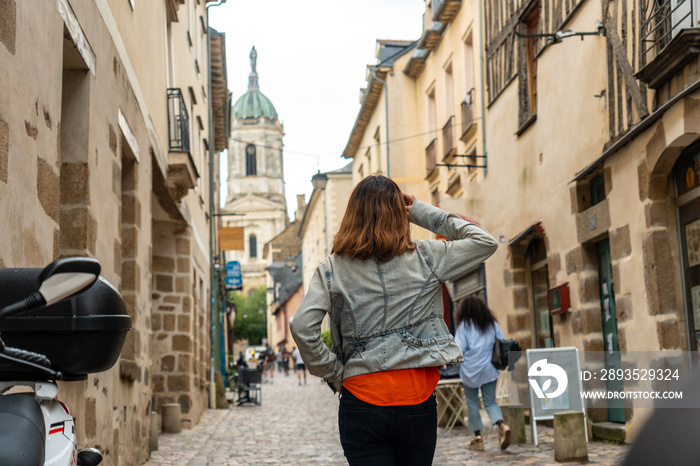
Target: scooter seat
point(22, 431)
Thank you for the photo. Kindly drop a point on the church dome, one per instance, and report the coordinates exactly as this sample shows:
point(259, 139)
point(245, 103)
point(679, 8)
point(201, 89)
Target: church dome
point(253, 104)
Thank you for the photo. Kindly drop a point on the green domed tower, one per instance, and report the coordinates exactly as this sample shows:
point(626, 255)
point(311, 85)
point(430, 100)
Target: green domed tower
point(255, 178)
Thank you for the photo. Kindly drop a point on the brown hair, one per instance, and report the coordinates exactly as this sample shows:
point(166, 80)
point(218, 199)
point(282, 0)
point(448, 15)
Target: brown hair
point(375, 223)
point(474, 310)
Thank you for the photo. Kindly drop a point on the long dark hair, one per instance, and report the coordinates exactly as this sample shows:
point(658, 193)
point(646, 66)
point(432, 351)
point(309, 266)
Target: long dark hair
point(474, 310)
point(375, 223)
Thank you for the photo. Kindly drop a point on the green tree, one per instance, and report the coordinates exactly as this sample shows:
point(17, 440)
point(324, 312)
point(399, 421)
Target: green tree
point(326, 337)
point(251, 316)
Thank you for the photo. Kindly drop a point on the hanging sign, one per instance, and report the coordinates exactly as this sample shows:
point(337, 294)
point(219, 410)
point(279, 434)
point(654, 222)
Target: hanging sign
point(234, 278)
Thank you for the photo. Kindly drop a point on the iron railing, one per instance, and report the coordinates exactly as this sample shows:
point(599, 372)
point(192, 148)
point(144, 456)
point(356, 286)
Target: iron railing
point(448, 140)
point(431, 156)
point(662, 20)
point(178, 122)
point(468, 111)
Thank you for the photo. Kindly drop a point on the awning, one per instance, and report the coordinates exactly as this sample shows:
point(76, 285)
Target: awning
point(529, 233)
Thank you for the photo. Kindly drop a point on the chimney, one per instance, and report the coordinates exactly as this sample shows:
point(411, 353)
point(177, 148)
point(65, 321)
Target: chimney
point(301, 207)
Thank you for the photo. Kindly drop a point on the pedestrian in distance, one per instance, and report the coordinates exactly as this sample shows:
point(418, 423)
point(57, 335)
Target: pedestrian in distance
point(269, 365)
point(299, 365)
point(241, 361)
point(476, 333)
point(278, 360)
point(285, 362)
point(382, 292)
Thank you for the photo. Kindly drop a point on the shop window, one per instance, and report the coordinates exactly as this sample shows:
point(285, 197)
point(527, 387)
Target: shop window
point(471, 284)
point(537, 261)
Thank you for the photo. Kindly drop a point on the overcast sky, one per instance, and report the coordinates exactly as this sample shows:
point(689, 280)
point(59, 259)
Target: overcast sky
point(312, 58)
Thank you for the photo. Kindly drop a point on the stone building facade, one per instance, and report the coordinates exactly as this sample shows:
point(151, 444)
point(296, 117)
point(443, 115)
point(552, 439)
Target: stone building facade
point(285, 281)
point(577, 152)
point(104, 149)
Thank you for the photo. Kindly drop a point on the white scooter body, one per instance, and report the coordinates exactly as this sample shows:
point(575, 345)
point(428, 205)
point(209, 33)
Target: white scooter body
point(60, 446)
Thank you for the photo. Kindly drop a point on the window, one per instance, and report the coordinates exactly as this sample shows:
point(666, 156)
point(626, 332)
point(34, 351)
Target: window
point(597, 189)
point(432, 118)
point(377, 143)
point(469, 62)
point(537, 260)
point(472, 284)
point(528, 75)
point(250, 161)
point(253, 246)
point(449, 91)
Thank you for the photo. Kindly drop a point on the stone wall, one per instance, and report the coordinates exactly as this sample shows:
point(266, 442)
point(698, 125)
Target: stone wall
point(81, 154)
point(180, 339)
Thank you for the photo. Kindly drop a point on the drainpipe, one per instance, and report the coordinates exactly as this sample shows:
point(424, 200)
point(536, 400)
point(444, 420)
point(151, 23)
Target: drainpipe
point(386, 114)
point(483, 93)
point(212, 217)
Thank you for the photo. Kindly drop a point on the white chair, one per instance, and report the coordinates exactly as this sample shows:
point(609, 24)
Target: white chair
point(451, 404)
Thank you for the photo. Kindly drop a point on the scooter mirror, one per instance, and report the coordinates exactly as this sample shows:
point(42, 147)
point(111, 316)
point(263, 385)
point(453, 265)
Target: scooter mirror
point(67, 277)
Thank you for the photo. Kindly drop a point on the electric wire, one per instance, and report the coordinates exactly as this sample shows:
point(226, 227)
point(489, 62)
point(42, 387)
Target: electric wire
point(436, 131)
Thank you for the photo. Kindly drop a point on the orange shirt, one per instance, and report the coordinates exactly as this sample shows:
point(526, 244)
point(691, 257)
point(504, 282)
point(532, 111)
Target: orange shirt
point(401, 387)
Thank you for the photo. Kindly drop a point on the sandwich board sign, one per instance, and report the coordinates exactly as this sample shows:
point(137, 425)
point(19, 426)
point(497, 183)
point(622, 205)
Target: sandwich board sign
point(554, 378)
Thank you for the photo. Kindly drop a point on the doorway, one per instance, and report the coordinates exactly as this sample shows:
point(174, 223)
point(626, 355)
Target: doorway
point(611, 344)
point(686, 174)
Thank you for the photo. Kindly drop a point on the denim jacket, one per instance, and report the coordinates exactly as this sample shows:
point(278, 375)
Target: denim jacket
point(388, 315)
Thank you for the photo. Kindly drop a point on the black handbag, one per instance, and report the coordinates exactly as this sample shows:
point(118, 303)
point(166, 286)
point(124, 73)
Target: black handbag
point(500, 358)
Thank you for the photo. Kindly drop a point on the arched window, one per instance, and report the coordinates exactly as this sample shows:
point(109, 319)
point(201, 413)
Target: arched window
point(250, 160)
point(253, 245)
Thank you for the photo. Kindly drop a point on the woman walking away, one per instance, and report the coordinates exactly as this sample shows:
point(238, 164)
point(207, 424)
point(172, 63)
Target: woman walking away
point(382, 292)
point(477, 330)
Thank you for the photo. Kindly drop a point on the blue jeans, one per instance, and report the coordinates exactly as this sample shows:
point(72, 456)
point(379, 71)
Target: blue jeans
point(488, 394)
point(387, 435)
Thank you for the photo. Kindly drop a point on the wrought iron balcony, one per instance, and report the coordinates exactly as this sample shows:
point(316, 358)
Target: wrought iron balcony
point(662, 20)
point(182, 172)
point(468, 120)
point(448, 141)
point(669, 38)
point(431, 157)
point(178, 122)
point(445, 10)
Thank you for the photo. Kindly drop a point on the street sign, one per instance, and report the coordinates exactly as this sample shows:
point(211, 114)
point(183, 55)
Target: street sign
point(234, 278)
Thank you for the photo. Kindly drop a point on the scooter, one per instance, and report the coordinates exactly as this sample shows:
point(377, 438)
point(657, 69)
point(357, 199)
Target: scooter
point(36, 428)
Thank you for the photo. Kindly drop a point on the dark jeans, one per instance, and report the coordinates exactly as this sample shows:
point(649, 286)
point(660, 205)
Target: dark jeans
point(387, 435)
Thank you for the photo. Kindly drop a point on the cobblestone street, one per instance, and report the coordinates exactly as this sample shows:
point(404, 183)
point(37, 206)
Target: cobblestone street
point(297, 425)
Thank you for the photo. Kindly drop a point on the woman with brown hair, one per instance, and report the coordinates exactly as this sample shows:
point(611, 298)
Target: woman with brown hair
point(382, 293)
point(477, 330)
